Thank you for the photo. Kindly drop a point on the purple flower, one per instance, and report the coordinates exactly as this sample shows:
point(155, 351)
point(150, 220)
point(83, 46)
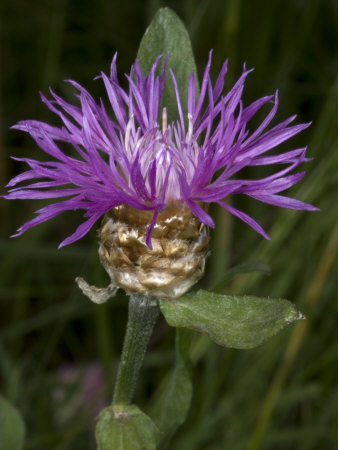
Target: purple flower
point(137, 156)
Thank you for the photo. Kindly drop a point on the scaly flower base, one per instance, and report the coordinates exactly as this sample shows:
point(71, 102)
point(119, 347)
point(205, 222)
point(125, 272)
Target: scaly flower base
point(174, 263)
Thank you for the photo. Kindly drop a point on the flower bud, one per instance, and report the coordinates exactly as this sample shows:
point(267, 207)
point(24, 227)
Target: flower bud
point(174, 263)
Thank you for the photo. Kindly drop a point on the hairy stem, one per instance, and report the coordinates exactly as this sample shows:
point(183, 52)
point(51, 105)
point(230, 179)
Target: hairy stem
point(142, 315)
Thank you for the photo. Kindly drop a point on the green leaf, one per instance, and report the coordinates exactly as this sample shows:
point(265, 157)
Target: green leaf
point(247, 267)
point(12, 427)
point(167, 34)
point(232, 321)
point(173, 399)
point(125, 427)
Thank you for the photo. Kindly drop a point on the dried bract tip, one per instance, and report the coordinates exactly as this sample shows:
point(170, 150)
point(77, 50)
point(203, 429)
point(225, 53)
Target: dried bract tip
point(174, 263)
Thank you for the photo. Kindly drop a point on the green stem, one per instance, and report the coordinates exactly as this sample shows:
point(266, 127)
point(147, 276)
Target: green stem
point(142, 315)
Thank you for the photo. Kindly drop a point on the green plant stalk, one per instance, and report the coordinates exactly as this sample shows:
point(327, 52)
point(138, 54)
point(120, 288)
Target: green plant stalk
point(296, 340)
point(142, 314)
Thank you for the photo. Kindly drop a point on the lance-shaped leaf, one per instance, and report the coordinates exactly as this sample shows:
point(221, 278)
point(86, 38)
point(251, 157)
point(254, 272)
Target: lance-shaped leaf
point(165, 35)
point(12, 428)
point(232, 321)
point(173, 398)
point(125, 427)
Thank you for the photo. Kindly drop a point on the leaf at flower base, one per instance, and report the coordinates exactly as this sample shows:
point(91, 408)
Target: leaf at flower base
point(165, 35)
point(12, 428)
point(173, 399)
point(125, 427)
point(232, 321)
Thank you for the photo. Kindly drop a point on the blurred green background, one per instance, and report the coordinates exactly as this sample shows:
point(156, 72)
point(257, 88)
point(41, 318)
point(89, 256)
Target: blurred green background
point(58, 352)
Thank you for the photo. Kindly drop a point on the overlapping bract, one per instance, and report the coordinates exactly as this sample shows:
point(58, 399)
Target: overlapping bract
point(137, 156)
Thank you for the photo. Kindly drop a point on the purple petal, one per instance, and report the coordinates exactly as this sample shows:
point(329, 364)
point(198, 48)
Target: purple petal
point(191, 94)
point(247, 219)
point(203, 89)
point(220, 81)
point(270, 140)
point(251, 110)
point(265, 122)
point(31, 194)
point(178, 100)
point(80, 231)
point(284, 202)
point(201, 215)
point(150, 230)
point(127, 159)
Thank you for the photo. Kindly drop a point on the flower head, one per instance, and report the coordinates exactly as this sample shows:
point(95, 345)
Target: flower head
point(136, 156)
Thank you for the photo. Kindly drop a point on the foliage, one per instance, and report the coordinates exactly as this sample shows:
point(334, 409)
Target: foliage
point(241, 322)
point(125, 428)
point(280, 395)
point(12, 428)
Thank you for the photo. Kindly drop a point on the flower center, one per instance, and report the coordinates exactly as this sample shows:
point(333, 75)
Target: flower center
point(170, 148)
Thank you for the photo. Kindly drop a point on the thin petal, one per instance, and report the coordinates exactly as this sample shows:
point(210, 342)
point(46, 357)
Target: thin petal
point(201, 215)
point(150, 229)
point(284, 202)
point(246, 218)
point(81, 230)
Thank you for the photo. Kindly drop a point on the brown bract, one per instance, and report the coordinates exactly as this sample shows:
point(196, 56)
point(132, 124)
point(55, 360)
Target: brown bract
point(175, 262)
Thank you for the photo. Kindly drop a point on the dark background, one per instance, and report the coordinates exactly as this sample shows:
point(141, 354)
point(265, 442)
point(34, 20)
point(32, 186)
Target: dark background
point(59, 353)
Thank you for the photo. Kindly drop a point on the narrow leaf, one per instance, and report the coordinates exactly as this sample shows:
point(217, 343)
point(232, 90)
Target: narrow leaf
point(12, 428)
point(173, 399)
point(232, 321)
point(125, 427)
point(167, 35)
point(247, 267)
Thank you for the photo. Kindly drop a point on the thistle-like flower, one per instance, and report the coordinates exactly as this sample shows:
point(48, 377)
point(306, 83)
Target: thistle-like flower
point(152, 175)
